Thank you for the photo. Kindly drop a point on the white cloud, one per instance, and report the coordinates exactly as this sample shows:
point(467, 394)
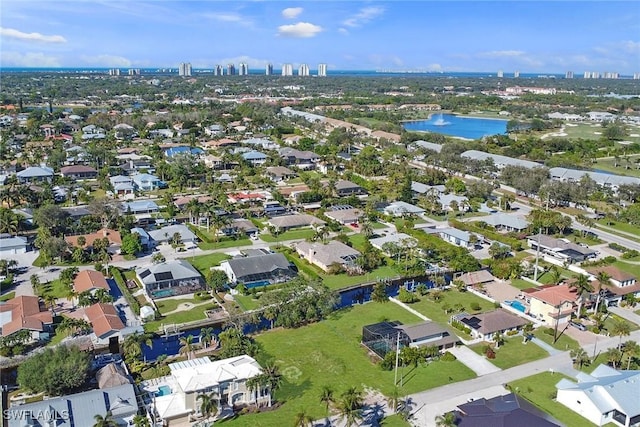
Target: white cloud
point(501, 54)
point(107, 61)
point(31, 37)
point(292, 12)
point(434, 67)
point(29, 59)
point(343, 31)
point(299, 30)
point(229, 17)
point(365, 15)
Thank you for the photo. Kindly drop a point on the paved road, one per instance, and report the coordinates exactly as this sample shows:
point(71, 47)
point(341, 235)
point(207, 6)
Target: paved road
point(626, 313)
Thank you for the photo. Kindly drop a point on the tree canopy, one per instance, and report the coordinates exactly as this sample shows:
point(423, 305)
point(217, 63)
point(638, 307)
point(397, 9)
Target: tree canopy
point(55, 371)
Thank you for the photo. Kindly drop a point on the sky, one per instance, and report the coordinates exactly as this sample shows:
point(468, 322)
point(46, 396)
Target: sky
point(550, 36)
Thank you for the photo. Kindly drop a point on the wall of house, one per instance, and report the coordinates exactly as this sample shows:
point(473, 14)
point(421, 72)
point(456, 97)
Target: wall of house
point(540, 310)
point(585, 408)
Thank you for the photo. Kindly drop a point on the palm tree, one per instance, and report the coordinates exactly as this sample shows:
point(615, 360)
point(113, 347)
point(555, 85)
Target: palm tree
point(350, 406)
point(580, 357)
point(630, 350)
point(603, 280)
point(498, 339)
point(582, 286)
point(51, 301)
point(613, 356)
point(366, 228)
point(326, 397)
point(207, 336)
point(141, 421)
point(556, 276)
point(302, 419)
point(208, 406)
point(187, 346)
point(105, 421)
point(446, 420)
point(132, 345)
point(273, 377)
point(620, 329)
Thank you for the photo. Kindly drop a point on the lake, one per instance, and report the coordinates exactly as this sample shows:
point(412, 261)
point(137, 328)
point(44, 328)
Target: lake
point(464, 127)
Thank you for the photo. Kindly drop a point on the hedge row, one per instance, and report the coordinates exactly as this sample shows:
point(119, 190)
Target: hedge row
point(122, 285)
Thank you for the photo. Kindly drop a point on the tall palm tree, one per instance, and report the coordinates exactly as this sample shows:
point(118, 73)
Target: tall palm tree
point(366, 228)
point(132, 345)
point(207, 336)
point(105, 421)
point(208, 406)
point(302, 419)
point(51, 301)
point(141, 421)
point(446, 420)
point(630, 350)
point(326, 397)
point(350, 406)
point(187, 346)
point(582, 286)
point(613, 356)
point(580, 357)
point(620, 329)
point(273, 377)
point(603, 280)
point(556, 276)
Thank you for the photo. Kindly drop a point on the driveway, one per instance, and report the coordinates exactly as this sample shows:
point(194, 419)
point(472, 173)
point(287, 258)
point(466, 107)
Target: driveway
point(474, 361)
point(502, 291)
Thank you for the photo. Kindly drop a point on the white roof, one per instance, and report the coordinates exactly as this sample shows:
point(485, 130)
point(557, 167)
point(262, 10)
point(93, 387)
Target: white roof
point(500, 160)
point(514, 221)
point(399, 208)
point(397, 238)
point(198, 374)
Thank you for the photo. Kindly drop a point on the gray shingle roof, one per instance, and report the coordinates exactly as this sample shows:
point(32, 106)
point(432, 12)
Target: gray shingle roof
point(249, 266)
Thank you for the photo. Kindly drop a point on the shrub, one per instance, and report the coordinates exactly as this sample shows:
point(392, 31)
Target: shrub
point(549, 331)
point(512, 333)
point(475, 306)
point(489, 352)
point(448, 357)
point(407, 297)
point(630, 254)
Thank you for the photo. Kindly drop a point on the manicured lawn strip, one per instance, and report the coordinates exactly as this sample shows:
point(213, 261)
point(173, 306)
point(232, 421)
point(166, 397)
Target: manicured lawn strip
point(246, 302)
point(513, 352)
point(131, 275)
point(612, 318)
point(167, 305)
point(394, 421)
point(433, 310)
point(8, 296)
point(202, 263)
point(540, 390)
point(620, 225)
point(302, 234)
point(196, 313)
point(339, 281)
point(330, 353)
point(377, 225)
point(521, 284)
point(565, 342)
point(225, 244)
point(55, 288)
point(633, 269)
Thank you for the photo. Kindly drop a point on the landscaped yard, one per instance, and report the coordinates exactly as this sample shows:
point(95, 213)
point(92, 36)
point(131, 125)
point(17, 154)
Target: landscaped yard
point(330, 353)
point(224, 244)
point(564, 342)
point(246, 302)
point(55, 288)
point(196, 313)
point(167, 305)
point(202, 263)
point(540, 389)
point(301, 234)
point(513, 352)
point(434, 310)
point(8, 296)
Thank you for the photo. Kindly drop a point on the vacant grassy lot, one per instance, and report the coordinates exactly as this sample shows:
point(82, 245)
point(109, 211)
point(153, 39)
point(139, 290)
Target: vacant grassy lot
point(329, 353)
point(302, 234)
point(435, 311)
point(203, 263)
point(513, 352)
point(540, 390)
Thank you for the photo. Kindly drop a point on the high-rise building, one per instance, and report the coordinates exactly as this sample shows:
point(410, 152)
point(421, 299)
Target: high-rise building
point(303, 70)
point(322, 70)
point(243, 69)
point(218, 70)
point(184, 69)
point(114, 72)
point(231, 70)
point(636, 76)
point(287, 69)
point(134, 71)
point(568, 75)
point(500, 74)
point(268, 70)
point(516, 74)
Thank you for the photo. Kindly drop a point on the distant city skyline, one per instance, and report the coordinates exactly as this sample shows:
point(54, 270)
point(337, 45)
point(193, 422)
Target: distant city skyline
point(450, 36)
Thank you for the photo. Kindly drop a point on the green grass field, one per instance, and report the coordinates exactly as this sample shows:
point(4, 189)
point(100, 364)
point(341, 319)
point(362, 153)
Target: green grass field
point(246, 302)
point(197, 313)
point(513, 352)
point(330, 353)
point(167, 305)
point(434, 310)
point(202, 263)
point(301, 234)
point(540, 390)
point(8, 296)
point(564, 342)
point(624, 168)
point(225, 244)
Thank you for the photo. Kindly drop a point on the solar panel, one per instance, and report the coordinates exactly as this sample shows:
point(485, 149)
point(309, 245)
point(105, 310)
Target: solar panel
point(145, 274)
point(165, 275)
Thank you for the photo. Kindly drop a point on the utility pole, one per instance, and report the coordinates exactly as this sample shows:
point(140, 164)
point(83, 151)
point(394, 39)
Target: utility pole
point(535, 273)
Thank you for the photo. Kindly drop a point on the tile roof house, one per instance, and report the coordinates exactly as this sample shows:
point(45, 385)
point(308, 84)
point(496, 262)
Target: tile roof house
point(115, 240)
point(259, 270)
point(25, 313)
point(104, 319)
point(485, 325)
point(301, 159)
point(507, 410)
point(552, 304)
point(79, 409)
point(89, 280)
point(607, 396)
point(348, 188)
point(477, 277)
point(326, 255)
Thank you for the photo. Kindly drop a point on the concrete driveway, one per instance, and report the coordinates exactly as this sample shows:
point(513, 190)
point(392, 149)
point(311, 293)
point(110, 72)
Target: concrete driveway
point(474, 361)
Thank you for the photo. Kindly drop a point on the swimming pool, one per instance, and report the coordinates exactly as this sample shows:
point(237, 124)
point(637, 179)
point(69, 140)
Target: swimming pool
point(163, 390)
point(517, 305)
point(163, 293)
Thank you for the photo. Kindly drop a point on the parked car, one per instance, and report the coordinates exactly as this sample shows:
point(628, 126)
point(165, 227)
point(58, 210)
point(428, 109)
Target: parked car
point(578, 325)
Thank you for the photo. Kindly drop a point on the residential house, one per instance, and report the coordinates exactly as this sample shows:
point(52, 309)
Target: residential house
point(78, 409)
point(280, 173)
point(474, 278)
point(256, 158)
point(165, 234)
point(620, 283)
point(219, 143)
point(384, 337)
point(78, 172)
point(449, 202)
point(606, 396)
point(486, 325)
point(419, 188)
point(345, 216)
point(213, 162)
point(35, 174)
point(259, 269)
point(507, 410)
point(113, 236)
point(93, 132)
point(400, 208)
point(561, 249)
point(388, 136)
point(264, 143)
point(182, 151)
point(122, 185)
point(347, 188)
point(137, 207)
point(552, 304)
point(105, 321)
point(456, 237)
point(11, 245)
point(134, 164)
point(241, 225)
point(327, 255)
point(428, 145)
point(176, 395)
point(147, 182)
point(400, 239)
point(213, 130)
point(25, 313)
point(90, 281)
point(287, 222)
point(506, 222)
point(169, 279)
point(304, 160)
point(144, 236)
point(248, 198)
point(124, 131)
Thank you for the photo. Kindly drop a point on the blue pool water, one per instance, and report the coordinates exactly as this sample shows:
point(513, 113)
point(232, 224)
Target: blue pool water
point(163, 390)
point(517, 305)
point(465, 127)
point(162, 293)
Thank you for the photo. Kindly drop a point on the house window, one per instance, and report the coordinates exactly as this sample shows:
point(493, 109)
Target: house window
point(235, 386)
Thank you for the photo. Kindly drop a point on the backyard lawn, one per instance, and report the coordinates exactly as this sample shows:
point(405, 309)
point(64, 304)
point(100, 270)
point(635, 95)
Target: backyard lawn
point(55, 288)
point(301, 234)
point(539, 389)
point(329, 353)
point(167, 305)
point(196, 313)
point(434, 310)
point(202, 263)
point(246, 302)
point(513, 352)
